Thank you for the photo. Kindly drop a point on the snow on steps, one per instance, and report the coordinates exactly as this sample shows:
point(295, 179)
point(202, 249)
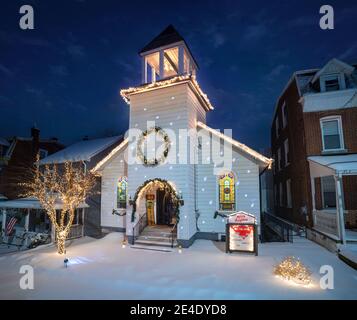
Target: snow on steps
point(159, 236)
point(162, 249)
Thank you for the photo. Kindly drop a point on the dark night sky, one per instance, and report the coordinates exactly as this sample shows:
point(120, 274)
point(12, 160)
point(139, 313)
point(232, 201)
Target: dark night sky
point(66, 74)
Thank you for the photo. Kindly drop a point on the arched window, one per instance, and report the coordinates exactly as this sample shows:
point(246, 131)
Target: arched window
point(122, 192)
point(226, 192)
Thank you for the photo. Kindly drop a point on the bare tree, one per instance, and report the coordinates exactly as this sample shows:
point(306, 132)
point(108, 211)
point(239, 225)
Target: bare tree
point(70, 185)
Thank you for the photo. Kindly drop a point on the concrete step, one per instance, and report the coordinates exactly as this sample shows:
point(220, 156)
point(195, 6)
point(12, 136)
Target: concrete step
point(154, 238)
point(154, 243)
point(157, 235)
point(151, 248)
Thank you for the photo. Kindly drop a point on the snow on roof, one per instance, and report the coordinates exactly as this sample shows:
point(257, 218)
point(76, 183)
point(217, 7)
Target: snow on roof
point(330, 100)
point(340, 164)
point(4, 142)
point(81, 151)
point(2, 197)
point(31, 203)
point(190, 79)
point(256, 155)
point(103, 162)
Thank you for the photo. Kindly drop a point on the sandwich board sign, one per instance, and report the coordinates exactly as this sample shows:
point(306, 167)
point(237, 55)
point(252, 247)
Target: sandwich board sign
point(241, 233)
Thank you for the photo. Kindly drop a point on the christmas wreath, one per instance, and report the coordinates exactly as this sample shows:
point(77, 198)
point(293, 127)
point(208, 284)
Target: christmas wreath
point(140, 145)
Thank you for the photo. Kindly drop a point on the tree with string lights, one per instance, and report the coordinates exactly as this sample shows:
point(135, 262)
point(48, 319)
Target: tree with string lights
point(70, 185)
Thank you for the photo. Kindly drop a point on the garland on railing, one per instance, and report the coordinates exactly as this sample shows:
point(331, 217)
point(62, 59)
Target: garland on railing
point(140, 144)
point(175, 198)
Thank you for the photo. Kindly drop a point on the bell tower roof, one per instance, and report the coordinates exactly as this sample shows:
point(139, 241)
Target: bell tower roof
point(166, 56)
point(165, 38)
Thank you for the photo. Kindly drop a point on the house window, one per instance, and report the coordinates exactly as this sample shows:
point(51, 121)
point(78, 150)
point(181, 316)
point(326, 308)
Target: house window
point(332, 82)
point(286, 152)
point(328, 192)
point(281, 195)
point(332, 137)
point(288, 194)
point(122, 192)
point(226, 192)
point(285, 118)
point(43, 153)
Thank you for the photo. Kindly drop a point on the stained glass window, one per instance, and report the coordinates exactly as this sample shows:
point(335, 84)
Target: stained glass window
point(226, 192)
point(122, 192)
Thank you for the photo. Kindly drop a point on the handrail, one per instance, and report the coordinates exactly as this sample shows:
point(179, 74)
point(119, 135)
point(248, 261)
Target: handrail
point(138, 223)
point(283, 228)
point(172, 234)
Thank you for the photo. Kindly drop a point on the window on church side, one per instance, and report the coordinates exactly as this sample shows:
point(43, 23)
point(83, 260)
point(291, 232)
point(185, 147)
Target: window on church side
point(122, 192)
point(226, 192)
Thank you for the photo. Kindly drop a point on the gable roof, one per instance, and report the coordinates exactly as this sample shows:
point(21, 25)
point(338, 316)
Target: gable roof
point(4, 142)
point(266, 162)
point(101, 164)
point(166, 37)
point(81, 151)
point(334, 65)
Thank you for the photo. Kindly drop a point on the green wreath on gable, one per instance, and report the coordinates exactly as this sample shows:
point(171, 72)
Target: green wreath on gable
point(140, 153)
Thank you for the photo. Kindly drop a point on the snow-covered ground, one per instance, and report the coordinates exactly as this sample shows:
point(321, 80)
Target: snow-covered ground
point(102, 269)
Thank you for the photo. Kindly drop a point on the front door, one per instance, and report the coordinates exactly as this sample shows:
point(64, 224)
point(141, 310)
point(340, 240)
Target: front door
point(160, 207)
point(150, 198)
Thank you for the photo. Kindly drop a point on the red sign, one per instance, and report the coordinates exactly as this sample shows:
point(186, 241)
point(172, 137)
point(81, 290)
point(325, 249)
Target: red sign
point(243, 230)
point(241, 233)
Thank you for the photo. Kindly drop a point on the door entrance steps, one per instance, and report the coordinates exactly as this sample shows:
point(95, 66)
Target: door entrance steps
point(157, 235)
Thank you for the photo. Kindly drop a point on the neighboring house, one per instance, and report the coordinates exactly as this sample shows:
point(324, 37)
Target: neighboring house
point(87, 153)
point(314, 145)
point(17, 156)
point(172, 100)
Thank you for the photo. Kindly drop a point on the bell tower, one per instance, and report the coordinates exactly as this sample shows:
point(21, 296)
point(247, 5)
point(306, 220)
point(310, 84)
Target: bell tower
point(166, 105)
point(166, 56)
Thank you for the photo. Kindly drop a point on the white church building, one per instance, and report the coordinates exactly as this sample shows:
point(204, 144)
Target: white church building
point(173, 178)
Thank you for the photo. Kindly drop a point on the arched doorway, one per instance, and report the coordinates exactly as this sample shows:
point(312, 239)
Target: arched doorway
point(158, 200)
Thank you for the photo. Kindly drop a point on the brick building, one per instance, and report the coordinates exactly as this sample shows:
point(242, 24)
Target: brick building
point(17, 155)
point(314, 145)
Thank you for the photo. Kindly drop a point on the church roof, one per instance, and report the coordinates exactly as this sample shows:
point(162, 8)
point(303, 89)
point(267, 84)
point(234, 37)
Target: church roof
point(191, 80)
point(264, 161)
point(166, 37)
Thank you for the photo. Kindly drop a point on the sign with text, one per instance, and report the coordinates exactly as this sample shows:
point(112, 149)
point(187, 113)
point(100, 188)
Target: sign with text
point(241, 233)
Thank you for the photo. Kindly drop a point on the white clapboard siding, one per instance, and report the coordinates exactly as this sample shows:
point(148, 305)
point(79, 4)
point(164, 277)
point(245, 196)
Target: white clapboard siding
point(172, 108)
point(114, 169)
point(247, 192)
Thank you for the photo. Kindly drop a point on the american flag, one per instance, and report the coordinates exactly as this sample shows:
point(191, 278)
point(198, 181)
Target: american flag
point(10, 225)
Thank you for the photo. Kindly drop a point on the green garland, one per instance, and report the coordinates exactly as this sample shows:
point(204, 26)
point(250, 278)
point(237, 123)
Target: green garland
point(142, 138)
point(177, 202)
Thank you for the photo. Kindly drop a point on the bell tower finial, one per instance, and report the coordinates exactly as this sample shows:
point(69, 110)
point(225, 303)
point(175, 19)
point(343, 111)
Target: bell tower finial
point(166, 56)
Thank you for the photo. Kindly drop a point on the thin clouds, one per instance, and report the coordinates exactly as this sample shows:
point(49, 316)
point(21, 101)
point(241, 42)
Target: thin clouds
point(275, 72)
point(349, 53)
point(60, 70)
point(76, 51)
point(256, 31)
point(6, 70)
